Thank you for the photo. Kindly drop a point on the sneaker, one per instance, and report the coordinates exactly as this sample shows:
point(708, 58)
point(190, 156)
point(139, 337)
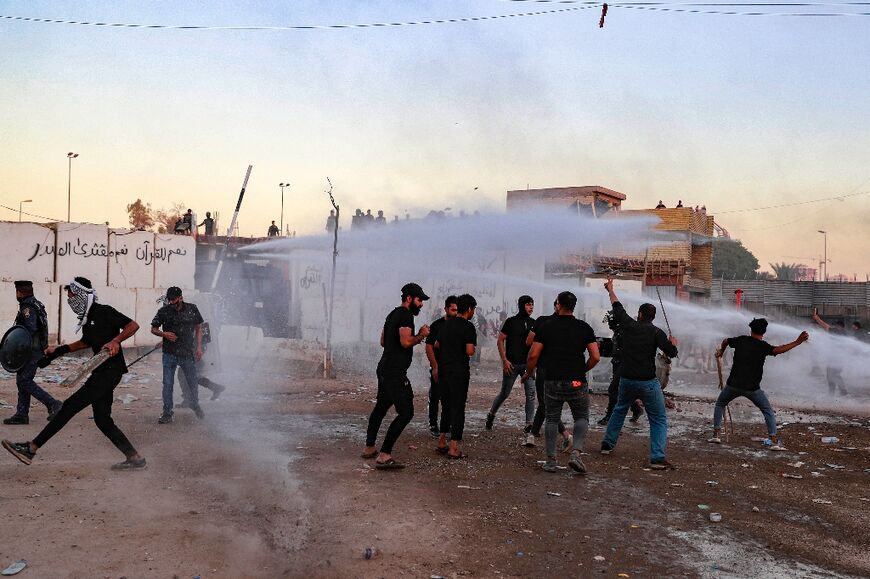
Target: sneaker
point(606, 449)
point(129, 464)
point(715, 440)
point(529, 441)
point(55, 408)
point(661, 464)
point(550, 465)
point(165, 418)
point(777, 446)
point(576, 464)
point(604, 420)
point(490, 418)
point(216, 390)
point(197, 409)
point(16, 419)
point(20, 450)
point(635, 415)
point(567, 443)
point(433, 430)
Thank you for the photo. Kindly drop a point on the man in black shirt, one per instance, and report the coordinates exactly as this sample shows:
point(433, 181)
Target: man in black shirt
point(833, 374)
point(394, 389)
point(540, 412)
point(434, 392)
point(31, 315)
point(103, 328)
point(181, 331)
point(273, 230)
point(613, 388)
point(745, 377)
point(455, 345)
point(640, 341)
point(561, 343)
point(513, 351)
point(208, 222)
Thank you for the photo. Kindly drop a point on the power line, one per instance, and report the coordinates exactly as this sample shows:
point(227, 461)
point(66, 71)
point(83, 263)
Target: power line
point(30, 214)
point(300, 27)
point(834, 198)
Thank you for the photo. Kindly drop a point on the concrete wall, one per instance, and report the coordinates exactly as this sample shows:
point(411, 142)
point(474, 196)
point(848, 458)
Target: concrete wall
point(82, 249)
point(27, 252)
point(130, 264)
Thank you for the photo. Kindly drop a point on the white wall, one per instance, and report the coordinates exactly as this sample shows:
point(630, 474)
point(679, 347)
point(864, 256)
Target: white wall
point(174, 258)
point(27, 252)
point(130, 264)
point(82, 249)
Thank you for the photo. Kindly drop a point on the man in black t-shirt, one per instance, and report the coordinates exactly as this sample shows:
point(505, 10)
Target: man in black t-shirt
point(540, 412)
point(432, 356)
point(561, 344)
point(745, 377)
point(833, 374)
point(455, 346)
point(513, 351)
point(394, 389)
point(180, 326)
point(103, 328)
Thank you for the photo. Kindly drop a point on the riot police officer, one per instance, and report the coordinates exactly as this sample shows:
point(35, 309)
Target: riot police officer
point(32, 316)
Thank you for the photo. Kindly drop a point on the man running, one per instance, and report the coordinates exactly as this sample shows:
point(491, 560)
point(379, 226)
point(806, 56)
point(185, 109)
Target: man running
point(745, 377)
point(456, 343)
point(513, 351)
point(103, 328)
point(641, 340)
point(394, 389)
point(31, 315)
point(180, 326)
point(432, 356)
point(561, 342)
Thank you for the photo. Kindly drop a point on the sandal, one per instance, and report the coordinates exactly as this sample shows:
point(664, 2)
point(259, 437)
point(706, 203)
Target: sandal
point(389, 464)
point(371, 454)
point(441, 449)
point(459, 456)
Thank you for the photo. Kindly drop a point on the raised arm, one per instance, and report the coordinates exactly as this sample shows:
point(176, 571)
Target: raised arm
point(803, 337)
point(817, 319)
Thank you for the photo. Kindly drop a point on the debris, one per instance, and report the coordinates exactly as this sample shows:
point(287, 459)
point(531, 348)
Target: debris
point(830, 440)
point(126, 399)
point(529, 531)
point(370, 553)
point(815, 473)
point(835, 466)
point(755, 509)
point(520, 553)
point(715, 517)
point(598, 558)
point(468, 487)
point(758, 438)
point(712, 483)
point(704, 507)
point(753, 487)
point(15, 567)
point(745, 465)
point(552, 494)
point(797, 464)
point(677, 485)
point(789, 475)
point(412, 447)
point(623, 575)
point(822, 501)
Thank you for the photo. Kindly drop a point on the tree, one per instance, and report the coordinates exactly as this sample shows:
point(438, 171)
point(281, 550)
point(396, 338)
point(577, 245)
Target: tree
point(785, 271)
point(733, 261)
point(140, 215)
point(166, 218)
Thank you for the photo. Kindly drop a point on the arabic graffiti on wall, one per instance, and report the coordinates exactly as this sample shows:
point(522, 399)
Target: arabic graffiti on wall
point(146, 252)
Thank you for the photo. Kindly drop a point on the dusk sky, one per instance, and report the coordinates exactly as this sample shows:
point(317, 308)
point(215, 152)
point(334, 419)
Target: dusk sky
point(728, 111)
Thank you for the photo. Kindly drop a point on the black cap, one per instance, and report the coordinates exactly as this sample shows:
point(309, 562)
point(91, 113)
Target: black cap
point(82, 281)
point(414, 290)
point(523, 300)
point(173, 292)
point(23, 285)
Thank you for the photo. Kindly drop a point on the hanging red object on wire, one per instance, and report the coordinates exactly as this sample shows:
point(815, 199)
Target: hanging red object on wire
point(603, 14)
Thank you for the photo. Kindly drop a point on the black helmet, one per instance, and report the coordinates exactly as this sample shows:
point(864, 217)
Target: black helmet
point(15, 348)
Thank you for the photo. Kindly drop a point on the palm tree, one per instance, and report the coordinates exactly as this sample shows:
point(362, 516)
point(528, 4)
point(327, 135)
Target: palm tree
point(785, 271)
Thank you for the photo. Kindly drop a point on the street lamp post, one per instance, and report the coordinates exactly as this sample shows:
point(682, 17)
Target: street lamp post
point(825, 233)
point(282, 185)
point(69, 156)
point(20, 203)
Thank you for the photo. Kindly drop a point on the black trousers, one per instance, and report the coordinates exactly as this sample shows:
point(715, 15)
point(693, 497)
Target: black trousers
point(434, 399)
point(541, 410)
point(392, 391)
point(454, 395)
point(98, 392)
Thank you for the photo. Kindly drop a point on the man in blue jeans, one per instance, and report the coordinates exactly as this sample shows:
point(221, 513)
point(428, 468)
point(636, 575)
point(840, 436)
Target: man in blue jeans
point(513, 351)
point(180, 326)
point(641, 340)
point(745, 377)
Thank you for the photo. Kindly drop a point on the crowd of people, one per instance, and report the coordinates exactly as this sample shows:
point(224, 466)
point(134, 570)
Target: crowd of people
point(551, 356)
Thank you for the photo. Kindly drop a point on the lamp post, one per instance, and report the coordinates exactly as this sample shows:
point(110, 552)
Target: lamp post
point(20, 203)
point(825, 233)
point(282, 185)
point(69, 156)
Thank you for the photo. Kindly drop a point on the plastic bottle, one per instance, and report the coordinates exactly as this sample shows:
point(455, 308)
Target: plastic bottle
point(830, 440)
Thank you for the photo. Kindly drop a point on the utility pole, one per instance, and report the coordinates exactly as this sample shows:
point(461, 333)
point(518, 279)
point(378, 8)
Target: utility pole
point(327, 361)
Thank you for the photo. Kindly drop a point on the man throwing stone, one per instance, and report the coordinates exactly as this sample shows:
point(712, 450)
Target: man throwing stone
point(180, 326)
point(103, 328)
point(513, 351)
point(640, 341)
point(745, 377)
point(394, 389)
point(562, 343)
point(31, 315)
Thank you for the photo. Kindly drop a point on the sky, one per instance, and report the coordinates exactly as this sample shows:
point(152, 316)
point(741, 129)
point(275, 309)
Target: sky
point(734, 112)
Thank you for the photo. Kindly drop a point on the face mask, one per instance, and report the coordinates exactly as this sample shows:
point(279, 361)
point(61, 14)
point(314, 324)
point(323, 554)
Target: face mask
point(78, 303)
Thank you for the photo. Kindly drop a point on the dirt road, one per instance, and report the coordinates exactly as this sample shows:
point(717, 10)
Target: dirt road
point(271, 484)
